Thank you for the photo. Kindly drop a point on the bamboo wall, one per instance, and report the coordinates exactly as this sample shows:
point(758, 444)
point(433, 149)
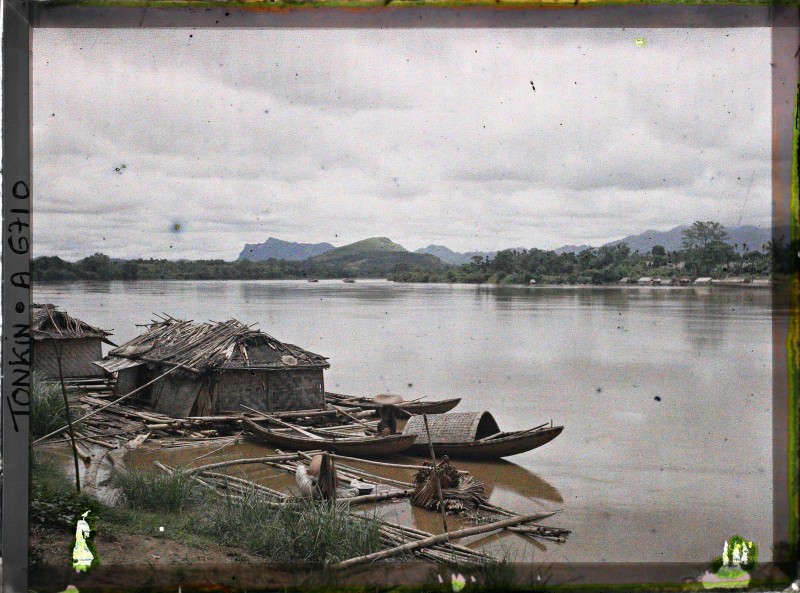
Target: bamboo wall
point(76, 357)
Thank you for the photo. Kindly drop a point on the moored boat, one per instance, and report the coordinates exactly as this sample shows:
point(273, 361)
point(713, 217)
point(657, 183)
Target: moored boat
point(474, 435)
point(407, 408)
point(359, 446)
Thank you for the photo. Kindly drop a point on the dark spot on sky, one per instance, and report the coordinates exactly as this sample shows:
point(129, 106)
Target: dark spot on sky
point(599, 390)
point(657, 398)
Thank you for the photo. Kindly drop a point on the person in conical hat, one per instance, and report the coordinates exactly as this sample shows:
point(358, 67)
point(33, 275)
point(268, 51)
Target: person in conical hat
point(388, 411)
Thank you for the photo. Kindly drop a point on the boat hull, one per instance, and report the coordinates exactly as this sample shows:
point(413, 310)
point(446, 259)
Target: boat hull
point(506, 446)
point(406, 410)
point(377, 446)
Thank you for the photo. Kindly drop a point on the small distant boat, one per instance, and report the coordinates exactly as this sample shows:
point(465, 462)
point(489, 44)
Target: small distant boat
point(359, 446)
point(474, 435)
point(407, 408)
point(313, 280)
point(349, 281)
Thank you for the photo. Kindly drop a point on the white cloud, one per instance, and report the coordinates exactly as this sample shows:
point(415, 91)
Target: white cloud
point(421, 135)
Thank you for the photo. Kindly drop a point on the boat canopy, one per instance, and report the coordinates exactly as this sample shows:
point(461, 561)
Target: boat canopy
point(453, 427)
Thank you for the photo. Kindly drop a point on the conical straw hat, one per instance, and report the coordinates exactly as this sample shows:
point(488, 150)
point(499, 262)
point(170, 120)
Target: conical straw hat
point(387, 399)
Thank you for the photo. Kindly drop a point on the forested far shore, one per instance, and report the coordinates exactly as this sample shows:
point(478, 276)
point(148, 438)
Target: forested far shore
point(705, 253)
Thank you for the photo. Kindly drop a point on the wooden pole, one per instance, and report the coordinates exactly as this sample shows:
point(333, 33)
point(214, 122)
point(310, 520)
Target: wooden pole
point(435, 539)
point(310, 435)
point(69, 417)
point(270, 458)
point(119, 399)
point(436, 474)
point(350, 416)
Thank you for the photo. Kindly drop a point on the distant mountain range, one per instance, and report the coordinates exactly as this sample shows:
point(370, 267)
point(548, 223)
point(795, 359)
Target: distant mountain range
point(379, 253)
point(752, 236)
point(454, 258)
point(373, 257)
point(285, 250)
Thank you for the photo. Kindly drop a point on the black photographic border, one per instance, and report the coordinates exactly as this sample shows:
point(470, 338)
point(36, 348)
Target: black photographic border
point(19, 17)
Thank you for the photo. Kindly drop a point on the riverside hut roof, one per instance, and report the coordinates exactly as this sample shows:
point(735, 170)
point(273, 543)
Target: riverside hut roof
point(48, 323)
point(212, 346)
point(453, 427)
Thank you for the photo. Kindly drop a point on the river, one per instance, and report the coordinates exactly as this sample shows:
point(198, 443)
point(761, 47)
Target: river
point(665, 393)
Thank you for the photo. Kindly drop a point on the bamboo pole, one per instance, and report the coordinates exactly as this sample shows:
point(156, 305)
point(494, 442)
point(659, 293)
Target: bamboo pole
point(283, 457)
point(435, 471)
point(100, 409)
point(66, 409)
point(338, 409)
point(436, 539)
point(282, 423)
point(385, 464)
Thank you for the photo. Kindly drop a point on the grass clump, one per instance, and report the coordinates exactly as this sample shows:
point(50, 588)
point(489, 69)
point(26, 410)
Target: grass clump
point(304, 531)
point(47, 405)
point(54, 500)
point(159, 492)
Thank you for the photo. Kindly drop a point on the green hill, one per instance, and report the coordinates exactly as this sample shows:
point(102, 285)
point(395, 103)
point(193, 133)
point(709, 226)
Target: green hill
point(360, 248)
point(375, 257)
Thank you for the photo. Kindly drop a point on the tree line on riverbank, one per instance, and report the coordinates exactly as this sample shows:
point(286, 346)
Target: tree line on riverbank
point(705, 252)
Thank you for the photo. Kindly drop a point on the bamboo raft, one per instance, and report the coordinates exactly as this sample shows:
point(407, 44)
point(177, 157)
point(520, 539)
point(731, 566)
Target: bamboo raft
point(397, 538)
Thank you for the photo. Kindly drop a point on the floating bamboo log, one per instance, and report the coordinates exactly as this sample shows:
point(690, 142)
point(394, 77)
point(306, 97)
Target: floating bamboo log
point(436, 539)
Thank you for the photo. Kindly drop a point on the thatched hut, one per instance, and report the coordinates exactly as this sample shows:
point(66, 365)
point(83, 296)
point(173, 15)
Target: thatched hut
point(56, 333)
point(222, 365)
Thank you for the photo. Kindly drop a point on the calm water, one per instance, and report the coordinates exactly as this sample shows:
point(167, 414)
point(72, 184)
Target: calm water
point(638, 479)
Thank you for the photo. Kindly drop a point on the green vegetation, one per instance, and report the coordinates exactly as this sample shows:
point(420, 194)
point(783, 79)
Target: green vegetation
point(371, 258)
point(306, 531)
point(705, 254)
point(169, 493)
point(47, 406)
point(54, 501)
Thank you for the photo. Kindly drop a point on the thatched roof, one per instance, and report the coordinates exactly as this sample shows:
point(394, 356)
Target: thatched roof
point(214, 346)
point(48, 323)
point(453, 427)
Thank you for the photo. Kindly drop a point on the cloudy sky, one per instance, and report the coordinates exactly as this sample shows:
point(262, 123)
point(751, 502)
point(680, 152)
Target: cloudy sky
point(424, 136)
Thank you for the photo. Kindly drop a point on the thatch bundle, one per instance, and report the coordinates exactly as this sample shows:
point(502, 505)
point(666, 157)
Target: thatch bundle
point(460, 493)
point(214, 346)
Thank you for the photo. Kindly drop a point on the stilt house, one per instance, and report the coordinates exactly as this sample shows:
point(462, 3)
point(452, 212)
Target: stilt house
point(56, 333)
point(218, 366)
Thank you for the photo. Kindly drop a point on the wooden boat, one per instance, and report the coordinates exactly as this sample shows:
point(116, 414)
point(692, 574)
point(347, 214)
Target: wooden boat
point(408, 408)
point(474, 435)
point(349, 281)
point(358, 446)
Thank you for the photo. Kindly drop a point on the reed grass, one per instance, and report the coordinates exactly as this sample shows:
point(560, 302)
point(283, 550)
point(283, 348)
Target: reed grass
point(47, 405)
point(151, 491)
point(305, 531)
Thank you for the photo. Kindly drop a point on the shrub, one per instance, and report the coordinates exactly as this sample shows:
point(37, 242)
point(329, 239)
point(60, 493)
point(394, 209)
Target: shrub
point(47, 406)
point(54, 500)
point(150, 491)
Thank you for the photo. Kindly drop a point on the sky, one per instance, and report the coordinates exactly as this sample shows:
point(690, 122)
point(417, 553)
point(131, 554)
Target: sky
point(189, 143)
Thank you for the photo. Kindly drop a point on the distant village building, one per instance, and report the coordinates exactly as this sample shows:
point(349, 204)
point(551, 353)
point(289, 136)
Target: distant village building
point(645, 280)
point(532, 281)
point(703, 280)
point(625, 280)
point(55, 333)
point(221, 366)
